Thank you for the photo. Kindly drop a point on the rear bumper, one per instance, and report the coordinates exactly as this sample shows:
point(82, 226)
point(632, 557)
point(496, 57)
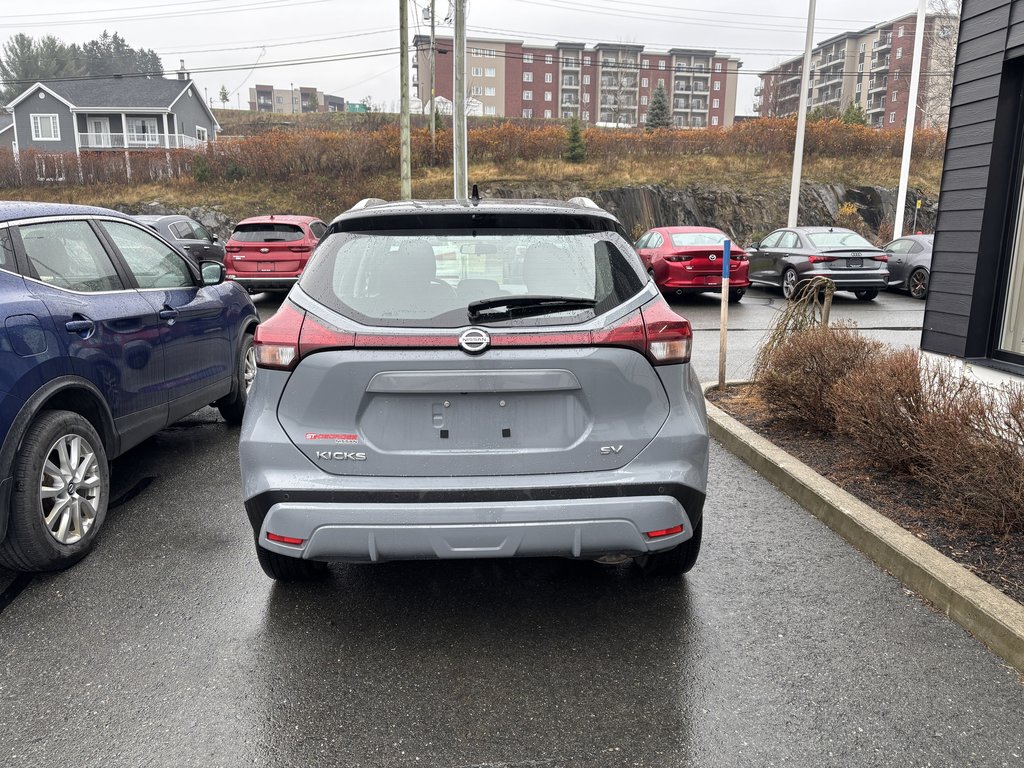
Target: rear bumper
point(268, 283)
point(691, 282)
point(845, 282)
point(411, 530)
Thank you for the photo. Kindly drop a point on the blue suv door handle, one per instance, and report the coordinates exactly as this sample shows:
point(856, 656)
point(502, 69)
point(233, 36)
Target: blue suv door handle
point(83, 327)
point(169, 314)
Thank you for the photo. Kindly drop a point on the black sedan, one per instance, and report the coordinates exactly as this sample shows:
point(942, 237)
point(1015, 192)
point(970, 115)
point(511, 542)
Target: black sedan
point(788, 257)
point(187, 235)
point(910, 264)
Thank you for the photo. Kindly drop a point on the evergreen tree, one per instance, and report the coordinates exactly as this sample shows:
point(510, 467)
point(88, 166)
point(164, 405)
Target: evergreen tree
point(855, 115)
point(224, 96)
point(577, 151)
point(658, 113)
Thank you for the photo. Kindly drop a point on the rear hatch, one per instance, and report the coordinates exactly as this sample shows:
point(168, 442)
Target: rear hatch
point(705, 262)
point(267, 247)
point(560, 388)
point(845, 250)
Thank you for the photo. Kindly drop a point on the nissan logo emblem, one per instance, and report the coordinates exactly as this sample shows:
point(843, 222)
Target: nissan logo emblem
point(474, 341)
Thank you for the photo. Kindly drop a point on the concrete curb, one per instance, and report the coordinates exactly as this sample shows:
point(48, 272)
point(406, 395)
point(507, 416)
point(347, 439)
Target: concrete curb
point(992, 617)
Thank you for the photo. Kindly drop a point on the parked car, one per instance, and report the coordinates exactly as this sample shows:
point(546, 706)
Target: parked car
point(689, 260)
point(910, 264)
point(187, 235)
point(790, 256)
point(544, 411)
point(107, 335)
point(268, 253)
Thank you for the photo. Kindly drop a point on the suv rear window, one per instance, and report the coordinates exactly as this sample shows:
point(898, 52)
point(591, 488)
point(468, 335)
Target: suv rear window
point(267, 233)
point(428, 278)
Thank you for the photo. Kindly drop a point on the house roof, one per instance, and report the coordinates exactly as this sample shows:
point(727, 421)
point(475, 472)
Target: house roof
point(127, 92)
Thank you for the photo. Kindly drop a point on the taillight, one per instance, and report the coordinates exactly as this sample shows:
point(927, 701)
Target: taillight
point(677, 259)
point(233, 248)
point(669, 338)
point(291, 334)
point(880, 257)
point(290, 539)
point(664, 532)
point(820, 259)
point(741, 256)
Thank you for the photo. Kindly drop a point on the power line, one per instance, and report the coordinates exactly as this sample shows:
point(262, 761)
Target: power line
point(251, 5)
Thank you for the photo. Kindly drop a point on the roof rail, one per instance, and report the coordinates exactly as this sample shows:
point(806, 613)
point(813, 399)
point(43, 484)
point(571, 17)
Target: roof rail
point(367, 202)
point(584, 202)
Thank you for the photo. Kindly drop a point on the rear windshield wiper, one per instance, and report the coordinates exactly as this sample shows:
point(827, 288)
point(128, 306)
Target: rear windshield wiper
point(524, 306)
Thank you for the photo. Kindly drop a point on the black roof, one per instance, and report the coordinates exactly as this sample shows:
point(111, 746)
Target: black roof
point(12, 211)
point(115, 92)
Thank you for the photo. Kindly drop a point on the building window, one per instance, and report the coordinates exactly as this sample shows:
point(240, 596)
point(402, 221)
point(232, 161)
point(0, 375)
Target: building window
point(893, 97)
point(547, 95)
point(899, 53)
point(714, 119)
point(490, 109)
point(527, 77)
point(527, 58)
point(201, 133)
point(718, 85)
point(645, 63)
point(549, 59)
point(661, 65)
point(489, 53)
point(143, 130)
point(718, 66)
point(527, 113)
point(586, 61)
point(899, 31)
point(548, 77)
point(714, 103)
point(476, 90)
point(892, 117)
point(643, 118)
point(490, 72)
point(527, 95)
point(490, 90)
point(643, 101)
point(661, 82)
point(644, 82)
point(475, 52)
point(586, 79)
point(547, 113)
point(476, 71)
point(45, 128)
point(586, 115)
point(586, 98)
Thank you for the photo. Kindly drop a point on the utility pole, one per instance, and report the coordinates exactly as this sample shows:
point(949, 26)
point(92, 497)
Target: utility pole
point(801, 120)
point(403, 44)
point(433, 117)
point(460, 159)
point(908, 131)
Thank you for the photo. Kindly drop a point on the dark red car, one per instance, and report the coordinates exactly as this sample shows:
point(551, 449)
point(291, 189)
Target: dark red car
point(689, 260)
point(268, 253)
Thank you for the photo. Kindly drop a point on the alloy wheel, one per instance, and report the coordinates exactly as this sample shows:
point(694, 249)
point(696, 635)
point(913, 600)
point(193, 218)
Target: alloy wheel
point(789, 283)
point(249, 368)
point(69, 489)
point(919, 284)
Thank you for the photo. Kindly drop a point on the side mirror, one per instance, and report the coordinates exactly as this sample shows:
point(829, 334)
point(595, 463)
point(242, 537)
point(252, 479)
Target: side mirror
point(752, 247)
point(214, 238)
point(213, 272)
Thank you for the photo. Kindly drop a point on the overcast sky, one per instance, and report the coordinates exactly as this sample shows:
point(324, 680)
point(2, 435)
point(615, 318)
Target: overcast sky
point(356, 41)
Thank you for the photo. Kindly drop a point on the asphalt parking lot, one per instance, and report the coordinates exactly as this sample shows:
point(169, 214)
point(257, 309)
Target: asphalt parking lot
point(168, 646)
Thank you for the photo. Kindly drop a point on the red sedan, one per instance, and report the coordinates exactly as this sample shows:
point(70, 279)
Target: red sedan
point(268, 253)
point(689, 260)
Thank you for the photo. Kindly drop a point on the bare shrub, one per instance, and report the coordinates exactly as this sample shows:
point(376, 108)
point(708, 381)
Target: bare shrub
point(797, 377)
point(971, 454)
point(878, 406)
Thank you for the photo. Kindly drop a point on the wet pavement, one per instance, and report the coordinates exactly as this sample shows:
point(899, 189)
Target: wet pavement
point(168, 647)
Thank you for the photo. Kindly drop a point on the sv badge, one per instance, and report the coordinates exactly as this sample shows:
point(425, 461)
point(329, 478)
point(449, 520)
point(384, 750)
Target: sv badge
point(610, 449)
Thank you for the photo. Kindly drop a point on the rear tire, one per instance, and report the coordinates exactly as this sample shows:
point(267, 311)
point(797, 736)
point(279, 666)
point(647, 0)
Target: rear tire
point(866, 294)
point(917, 283)
point(233, 408)
point(672, 562)
point(61, 490)
point(789, 283)
point(735, 295)
point(284, 568)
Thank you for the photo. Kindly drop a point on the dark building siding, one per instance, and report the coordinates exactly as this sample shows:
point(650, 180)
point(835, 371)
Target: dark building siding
point(958, 317)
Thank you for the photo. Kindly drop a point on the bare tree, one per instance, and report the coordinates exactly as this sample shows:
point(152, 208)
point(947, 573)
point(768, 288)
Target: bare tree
point(942, 30)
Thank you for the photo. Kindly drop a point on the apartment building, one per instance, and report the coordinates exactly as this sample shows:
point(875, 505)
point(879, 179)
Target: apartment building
point(608, 84)
point(267, 98)
point(870, 67)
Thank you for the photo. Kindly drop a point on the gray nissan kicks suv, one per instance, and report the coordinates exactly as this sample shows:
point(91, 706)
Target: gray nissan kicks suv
point(482, 379)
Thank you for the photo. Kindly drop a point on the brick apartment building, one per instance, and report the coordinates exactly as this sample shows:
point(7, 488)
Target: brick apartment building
point(607, 84)
point(872, 68)
point(267, 98)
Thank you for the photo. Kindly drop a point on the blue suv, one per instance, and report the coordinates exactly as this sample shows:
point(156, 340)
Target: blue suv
point(107, 335)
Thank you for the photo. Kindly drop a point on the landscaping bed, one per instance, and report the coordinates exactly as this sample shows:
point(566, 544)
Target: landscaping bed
point(998, 559)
